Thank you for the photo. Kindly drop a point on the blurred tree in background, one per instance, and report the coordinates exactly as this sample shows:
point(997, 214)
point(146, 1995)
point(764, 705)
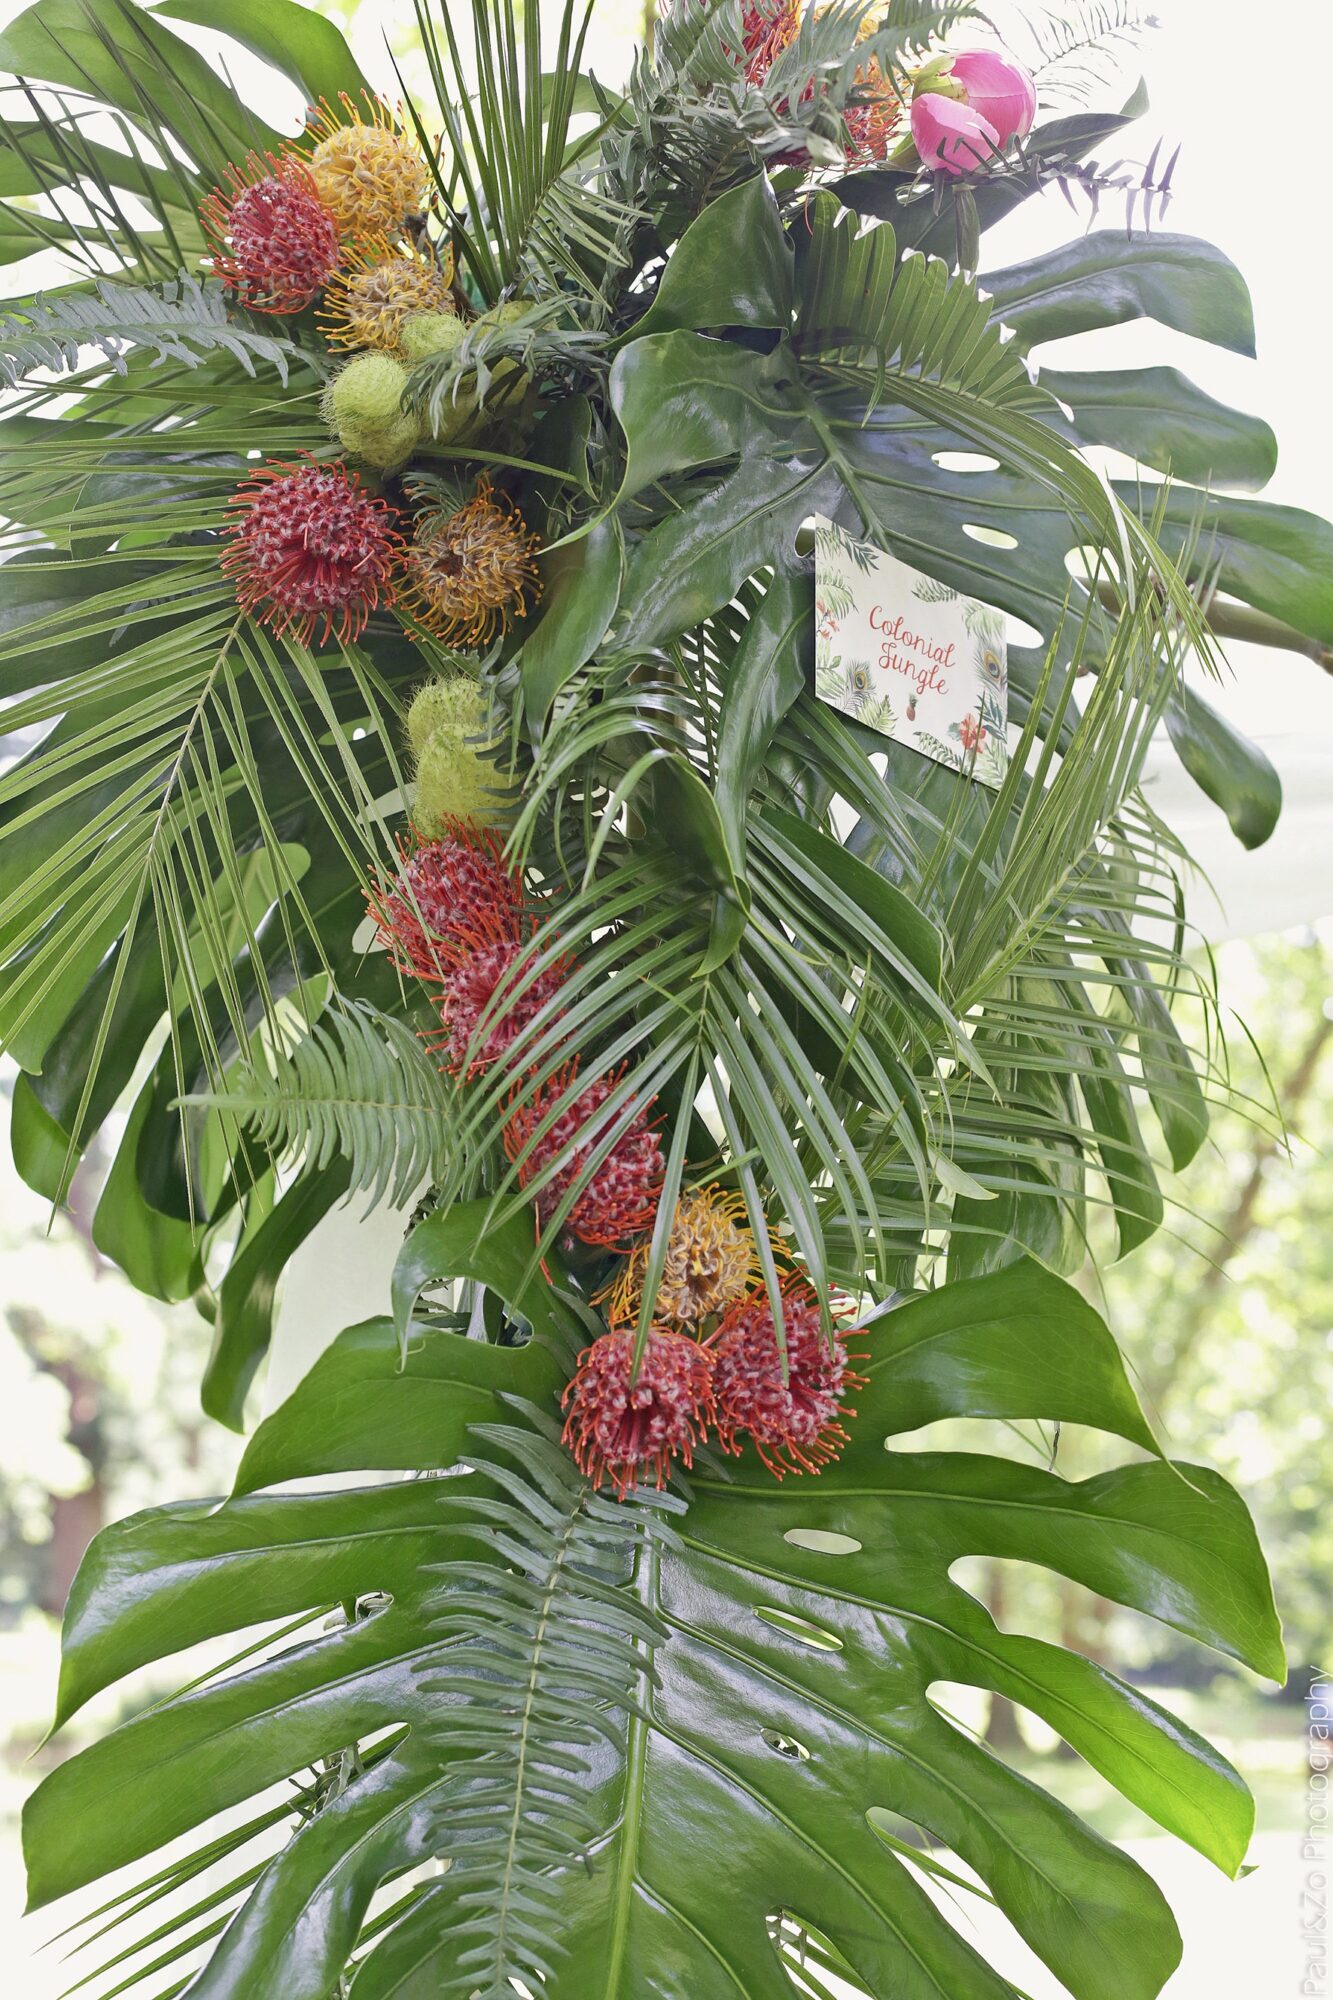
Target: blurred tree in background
point(1235, 1354)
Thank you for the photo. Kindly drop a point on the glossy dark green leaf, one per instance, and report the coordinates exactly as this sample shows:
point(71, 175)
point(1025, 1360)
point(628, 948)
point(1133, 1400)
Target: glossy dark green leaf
point(170, 1769)
point(1106, 277)
point(385, 1824)
point(1021, 1343)
point(766, 674)
point(1158, 416)
point(248, 1293)
point(361, 1409)
point(696, 561)
point(732, 267)
point(897, 916)
point(462, 1242)
point(295, 39)
point(1125, 1161)
point(1233, 771)
point(807, 1622)
point(581, 589)
point(805, 1626)
point(684, 400)
point(160, 1581)
point(1279, 559)
point(161, 1253)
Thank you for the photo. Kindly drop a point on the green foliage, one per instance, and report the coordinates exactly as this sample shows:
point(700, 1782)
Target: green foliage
point(916, 1027)
point(549, 1656)
point(182, 320)
point(795, 1633)
point(359, 1087)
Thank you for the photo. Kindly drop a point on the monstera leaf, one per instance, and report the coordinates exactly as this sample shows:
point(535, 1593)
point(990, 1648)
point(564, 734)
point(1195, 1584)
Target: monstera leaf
point(785, 1757)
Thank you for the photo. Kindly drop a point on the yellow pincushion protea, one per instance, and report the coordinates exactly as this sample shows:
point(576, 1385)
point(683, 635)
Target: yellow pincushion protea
point(369, 174)
point(711, 1263)
point(471, 573)
point(369, 304)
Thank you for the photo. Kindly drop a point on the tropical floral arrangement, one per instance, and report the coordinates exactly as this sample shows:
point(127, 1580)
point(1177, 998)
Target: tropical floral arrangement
point(422, 798)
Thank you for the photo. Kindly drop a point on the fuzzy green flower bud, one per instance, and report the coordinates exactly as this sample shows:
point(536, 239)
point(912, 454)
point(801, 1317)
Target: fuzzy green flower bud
point(430, 333)
point(457, 776)
point(364, 407)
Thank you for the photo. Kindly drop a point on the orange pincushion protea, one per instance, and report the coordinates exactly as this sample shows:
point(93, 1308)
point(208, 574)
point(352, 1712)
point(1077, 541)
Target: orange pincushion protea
point(621, 1431)
point(369, 304)
point(272, 239)
point(711, 1262)
point(310, 552)
point(621, 1196)
point(796, 1424)
point(368, 173)
point(471, 573)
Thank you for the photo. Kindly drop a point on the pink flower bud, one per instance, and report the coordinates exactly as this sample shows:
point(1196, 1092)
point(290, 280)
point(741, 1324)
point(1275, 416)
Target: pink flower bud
point(1000, 89)
point(950, 136)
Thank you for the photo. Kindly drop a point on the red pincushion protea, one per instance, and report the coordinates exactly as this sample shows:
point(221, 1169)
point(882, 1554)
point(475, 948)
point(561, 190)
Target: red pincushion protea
point(447, 892)
point(769, 26)
point(273, 240)
point(488, 1000)
point(311, 551)
point(622, 1433)
point(621, 1197)
point(795, 1424)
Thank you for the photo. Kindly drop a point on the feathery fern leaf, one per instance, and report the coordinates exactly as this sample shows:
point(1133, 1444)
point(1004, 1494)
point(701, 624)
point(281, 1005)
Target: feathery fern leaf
point(542, 1668)
point(359, 1086)
point(185, 320)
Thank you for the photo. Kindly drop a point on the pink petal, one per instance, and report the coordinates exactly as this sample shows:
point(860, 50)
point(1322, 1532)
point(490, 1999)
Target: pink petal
point(952, 138)
point(1000, 89)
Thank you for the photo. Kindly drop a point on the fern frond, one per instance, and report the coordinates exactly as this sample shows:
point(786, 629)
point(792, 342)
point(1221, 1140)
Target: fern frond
point(185, 319)
point(1083, 33)
point(359, 1087)
point(546, 1650)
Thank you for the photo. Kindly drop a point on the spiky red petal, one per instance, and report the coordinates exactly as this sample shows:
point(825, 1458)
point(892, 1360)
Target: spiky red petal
point(310, 551)
point(272, 239)
point(488, 999)
point(621, 1197)
point(795, 1424)
point(625, 1432)
point(447, 893)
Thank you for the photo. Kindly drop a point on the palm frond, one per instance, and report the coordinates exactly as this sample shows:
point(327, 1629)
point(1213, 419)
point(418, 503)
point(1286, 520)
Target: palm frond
point(524, 195)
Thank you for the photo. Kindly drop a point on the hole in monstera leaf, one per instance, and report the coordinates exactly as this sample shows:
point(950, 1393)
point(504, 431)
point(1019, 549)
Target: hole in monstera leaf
point(965, 461)
point(994, 538)
point(1086, 561)
point(814, 1636)
point(786, 1746)
point(811, 1961)
point(1018, 633)
point(823, 1541)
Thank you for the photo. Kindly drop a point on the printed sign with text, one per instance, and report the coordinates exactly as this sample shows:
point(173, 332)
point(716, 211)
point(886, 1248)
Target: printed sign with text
point(910, 657)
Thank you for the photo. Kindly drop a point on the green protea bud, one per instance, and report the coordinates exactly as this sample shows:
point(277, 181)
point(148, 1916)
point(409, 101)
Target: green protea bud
point(457, 776)
point(430, 333)
point(507, 314)
point(364, 407)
